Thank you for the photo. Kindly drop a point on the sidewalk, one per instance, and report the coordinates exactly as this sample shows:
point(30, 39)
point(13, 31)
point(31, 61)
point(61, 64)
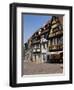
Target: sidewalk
point(30, 68)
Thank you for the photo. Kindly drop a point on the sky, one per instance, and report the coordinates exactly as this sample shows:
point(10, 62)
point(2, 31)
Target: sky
point(31, 23)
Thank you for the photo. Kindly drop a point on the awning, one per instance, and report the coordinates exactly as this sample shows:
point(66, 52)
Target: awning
point(58, 52)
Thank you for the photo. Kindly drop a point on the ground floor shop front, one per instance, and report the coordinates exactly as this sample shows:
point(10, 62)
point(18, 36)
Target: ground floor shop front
point(55, 57)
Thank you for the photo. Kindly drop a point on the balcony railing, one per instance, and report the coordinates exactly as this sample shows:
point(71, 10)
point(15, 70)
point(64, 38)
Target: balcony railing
point(44, 31)
point(35, 36)
point(56, 47)
point(37, 41)
point(55, 25)
point(56, 33)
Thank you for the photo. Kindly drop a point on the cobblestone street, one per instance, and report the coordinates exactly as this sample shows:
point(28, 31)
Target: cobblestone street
point(30, 68)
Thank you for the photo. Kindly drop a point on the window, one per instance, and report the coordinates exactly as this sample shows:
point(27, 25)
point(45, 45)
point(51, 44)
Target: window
point(49, 42)
point(60, 40)
point(38, 45)
point(46, 35)
point(44, 46)
point(38, 55)
point(35, 46)
point(55, 41)
point(57, 27)
point(60, 27)
point(44, 57)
